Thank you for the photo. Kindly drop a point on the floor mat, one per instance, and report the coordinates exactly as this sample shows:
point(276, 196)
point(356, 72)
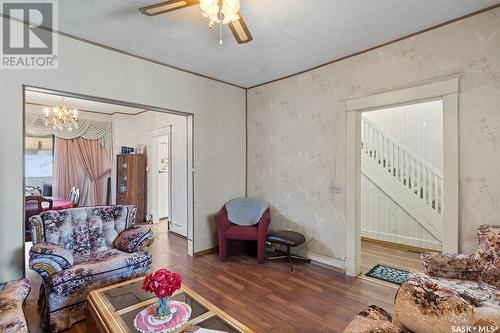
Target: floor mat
point(389, 274)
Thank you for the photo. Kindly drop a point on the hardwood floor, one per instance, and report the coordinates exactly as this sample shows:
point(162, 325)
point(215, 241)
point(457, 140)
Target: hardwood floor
point(374, 253)
point(266, 298)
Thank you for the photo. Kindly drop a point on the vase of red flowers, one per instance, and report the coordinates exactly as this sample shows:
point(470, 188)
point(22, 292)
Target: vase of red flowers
point(163, 284)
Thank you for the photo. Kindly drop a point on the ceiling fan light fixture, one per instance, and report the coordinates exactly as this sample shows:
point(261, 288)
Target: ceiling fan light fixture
point(228, 10)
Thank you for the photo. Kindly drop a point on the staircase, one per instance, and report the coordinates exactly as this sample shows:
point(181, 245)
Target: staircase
point(415, 185)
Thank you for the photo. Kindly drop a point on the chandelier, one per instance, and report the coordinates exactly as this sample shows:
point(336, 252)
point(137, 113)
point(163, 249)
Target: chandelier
point(220, 11)
point(61, 117)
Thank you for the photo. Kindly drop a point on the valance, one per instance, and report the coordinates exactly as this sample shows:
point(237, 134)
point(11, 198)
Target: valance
point(87, 129)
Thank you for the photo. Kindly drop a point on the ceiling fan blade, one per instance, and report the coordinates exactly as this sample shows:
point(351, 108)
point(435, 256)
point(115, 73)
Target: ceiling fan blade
point(167, 6)
point(240, 30)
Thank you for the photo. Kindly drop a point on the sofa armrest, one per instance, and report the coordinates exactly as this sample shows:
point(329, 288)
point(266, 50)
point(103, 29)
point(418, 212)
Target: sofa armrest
point(47, 259)
point(12, 298)
point(134, 239)
point(451, 266)
point(372, 319)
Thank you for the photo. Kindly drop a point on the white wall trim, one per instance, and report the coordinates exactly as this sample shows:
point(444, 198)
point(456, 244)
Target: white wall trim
point(446, 88)
point(330, 261)
point(424, 90)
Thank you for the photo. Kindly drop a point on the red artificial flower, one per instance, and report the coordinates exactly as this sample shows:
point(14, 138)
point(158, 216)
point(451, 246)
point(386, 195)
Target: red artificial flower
point(163, 283)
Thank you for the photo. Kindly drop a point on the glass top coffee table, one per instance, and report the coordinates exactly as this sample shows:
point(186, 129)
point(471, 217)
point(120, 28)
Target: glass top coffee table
point(114, 309)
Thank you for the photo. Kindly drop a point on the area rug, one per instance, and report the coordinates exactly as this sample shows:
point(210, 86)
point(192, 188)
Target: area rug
point(388, 274)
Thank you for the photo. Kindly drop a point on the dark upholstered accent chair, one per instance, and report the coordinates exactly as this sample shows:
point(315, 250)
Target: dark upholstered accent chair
point(33, 206)
point(226, 230)
point(77, 250)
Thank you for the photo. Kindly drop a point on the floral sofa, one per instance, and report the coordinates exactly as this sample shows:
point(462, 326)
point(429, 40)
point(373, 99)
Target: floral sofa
point(80, 249)
point(12, 297)
point(458, 292)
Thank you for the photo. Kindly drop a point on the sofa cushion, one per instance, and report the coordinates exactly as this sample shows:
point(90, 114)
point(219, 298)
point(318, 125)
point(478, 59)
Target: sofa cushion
point(426, 304)
point(84, 267)
point(134, 239)
point(12, 298)
point(86, 230)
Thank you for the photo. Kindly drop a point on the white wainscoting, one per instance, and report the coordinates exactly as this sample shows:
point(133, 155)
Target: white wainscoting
point(383, 219)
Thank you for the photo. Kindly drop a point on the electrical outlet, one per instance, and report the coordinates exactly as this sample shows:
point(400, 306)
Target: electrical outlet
point(336, 188)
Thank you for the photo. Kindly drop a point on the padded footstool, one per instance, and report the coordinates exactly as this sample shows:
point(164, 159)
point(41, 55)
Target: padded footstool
point(289, 239)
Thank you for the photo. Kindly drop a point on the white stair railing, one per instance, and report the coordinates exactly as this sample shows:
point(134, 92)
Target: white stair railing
point(410, 170)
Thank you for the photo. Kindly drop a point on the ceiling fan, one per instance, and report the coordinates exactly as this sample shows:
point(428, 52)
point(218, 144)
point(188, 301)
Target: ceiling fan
point(217, 11)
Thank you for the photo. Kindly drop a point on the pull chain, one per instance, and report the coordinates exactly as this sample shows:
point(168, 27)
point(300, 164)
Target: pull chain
point(220, 25)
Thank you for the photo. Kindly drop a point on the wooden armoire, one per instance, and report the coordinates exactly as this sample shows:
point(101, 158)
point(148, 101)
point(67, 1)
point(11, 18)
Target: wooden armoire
point(131, 180)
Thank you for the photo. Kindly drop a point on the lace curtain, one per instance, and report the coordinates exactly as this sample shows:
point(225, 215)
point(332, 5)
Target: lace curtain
point(87, 129)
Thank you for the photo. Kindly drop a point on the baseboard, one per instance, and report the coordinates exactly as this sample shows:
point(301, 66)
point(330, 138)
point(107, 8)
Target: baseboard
point(207, 251)
point(329, 262)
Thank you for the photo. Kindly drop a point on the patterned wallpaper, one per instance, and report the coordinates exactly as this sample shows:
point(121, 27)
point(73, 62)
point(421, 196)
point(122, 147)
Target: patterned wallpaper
point(296, 129)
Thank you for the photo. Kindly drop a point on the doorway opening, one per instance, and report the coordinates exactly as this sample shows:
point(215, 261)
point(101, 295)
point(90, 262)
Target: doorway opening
point(105, 160)
point(398, 202)
point(401, 185)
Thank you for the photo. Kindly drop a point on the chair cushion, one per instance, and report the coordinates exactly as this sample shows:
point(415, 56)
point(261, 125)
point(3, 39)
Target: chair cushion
point(287, 237)
point(242, 232)
point(245, 211)
point(12, 298)
point(84, 267)
point(426, 304)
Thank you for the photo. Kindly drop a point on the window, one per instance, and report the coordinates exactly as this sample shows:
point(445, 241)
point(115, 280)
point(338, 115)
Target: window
point(38, 160)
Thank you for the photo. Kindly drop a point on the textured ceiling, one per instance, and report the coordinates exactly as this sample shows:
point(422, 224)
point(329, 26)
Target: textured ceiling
point(289, 35)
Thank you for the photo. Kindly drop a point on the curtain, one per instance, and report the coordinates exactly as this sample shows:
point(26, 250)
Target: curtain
point(95, 164)
point(88, 129)
point(82, 163)
point(67, 171)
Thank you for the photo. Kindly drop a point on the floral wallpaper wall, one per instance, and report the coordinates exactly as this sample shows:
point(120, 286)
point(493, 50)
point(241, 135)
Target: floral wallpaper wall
point(296, 129)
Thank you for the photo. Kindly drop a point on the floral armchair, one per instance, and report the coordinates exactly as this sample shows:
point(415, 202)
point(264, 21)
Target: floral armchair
point(459, 290)
point(80, 249)
point(12, 298)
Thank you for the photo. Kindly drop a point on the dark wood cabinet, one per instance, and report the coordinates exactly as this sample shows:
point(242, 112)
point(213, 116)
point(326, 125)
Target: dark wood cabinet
point(131, 182)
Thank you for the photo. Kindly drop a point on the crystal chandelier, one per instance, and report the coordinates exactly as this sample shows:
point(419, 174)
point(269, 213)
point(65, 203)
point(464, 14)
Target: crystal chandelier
point(220, 11)
point(61, 117)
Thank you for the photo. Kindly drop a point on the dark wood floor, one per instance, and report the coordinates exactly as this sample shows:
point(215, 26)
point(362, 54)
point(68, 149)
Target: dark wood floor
point(373, 253)
point(266, 298)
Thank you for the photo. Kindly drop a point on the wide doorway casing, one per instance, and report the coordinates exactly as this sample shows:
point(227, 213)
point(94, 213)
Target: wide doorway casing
point(447, 90)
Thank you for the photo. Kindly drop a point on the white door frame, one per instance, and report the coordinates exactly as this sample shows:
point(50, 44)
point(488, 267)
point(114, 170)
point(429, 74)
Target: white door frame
point(446, 89)
point(153, 143)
